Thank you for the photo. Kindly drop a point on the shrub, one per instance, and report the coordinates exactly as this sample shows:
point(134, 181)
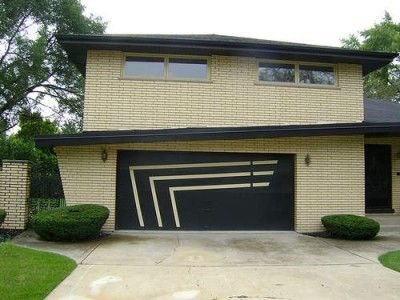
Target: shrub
point(36, 205)
point(71, 223)
point(3, 215)
point(351, 227)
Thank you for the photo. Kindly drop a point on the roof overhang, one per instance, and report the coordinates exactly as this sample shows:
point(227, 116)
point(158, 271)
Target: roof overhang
point(76, 47)
point(217, 133)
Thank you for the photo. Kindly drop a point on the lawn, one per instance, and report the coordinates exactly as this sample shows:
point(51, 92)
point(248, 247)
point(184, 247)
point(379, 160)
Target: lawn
point(30, 274)
point(391, 260)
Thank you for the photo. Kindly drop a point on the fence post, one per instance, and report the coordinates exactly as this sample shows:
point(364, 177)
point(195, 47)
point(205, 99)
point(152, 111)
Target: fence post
point(14, 192)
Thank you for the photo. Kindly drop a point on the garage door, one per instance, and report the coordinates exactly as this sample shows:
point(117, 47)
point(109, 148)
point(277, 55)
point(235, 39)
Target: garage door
point(204, 191)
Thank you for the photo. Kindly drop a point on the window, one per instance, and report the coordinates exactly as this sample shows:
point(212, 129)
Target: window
point(166, 68)
point(276, 72)
point(187, 68)
point(144, 67)
point(316, 75)
point(296, 73)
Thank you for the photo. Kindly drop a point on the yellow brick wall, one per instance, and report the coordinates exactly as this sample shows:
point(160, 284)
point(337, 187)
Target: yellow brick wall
point(395, 143)
point(14, 193)
point(232, 98)
point(332, 183)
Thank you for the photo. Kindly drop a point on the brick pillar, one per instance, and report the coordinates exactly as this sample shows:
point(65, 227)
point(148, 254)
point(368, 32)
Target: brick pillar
point(14, 192)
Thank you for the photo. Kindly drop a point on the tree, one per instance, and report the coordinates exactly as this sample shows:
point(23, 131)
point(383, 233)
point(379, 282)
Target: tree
point(22, 145)
point(45, 175)
point(33, 67)
point(32, 124)
point(384, 36)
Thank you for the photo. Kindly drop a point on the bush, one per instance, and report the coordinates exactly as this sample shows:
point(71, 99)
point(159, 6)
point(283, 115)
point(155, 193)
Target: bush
point(36, 205)
point(71, 223)
point(351, 227)
point(3, 215)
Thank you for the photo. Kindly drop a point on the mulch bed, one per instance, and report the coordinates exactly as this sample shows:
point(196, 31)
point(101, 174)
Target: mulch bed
point(322, 234)
point(8, 234)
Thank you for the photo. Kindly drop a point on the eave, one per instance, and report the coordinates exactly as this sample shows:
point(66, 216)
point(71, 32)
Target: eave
point(217, 133)
point(77, 46)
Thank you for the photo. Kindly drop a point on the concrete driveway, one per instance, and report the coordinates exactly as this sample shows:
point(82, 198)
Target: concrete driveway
point(274, 265)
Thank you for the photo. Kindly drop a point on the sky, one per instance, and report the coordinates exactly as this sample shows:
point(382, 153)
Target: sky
point(306, 21)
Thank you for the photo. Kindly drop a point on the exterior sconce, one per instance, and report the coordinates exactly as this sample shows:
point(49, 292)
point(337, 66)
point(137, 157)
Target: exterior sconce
point(104, 155)
point(307, 159)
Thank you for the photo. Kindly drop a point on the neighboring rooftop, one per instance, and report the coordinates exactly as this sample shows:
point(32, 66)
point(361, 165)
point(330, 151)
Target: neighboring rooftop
point(381, 111)
point(212, 44)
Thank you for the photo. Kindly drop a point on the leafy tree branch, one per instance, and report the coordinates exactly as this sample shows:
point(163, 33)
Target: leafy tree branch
point(384, 36)
point(31, 60)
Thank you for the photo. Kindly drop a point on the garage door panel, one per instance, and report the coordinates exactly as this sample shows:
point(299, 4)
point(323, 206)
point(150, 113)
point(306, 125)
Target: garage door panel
point(196, 190)
point(236, 209)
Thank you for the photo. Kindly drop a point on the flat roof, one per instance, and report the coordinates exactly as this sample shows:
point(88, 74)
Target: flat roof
point(76, 46)
point(217, 133)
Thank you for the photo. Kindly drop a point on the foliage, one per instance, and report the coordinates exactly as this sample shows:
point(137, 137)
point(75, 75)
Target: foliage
point(32, 124)
point(30, 274)
point(45, 175)
point(351, 227)
point(71, 223)
point(391, 260)
point(36, 205)
point(32, 64)
point(3, 215)
point(22, 146)
point(385, 36)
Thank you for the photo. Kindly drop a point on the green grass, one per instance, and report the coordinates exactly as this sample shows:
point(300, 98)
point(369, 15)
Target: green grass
point(30, 274)
point(391, 260)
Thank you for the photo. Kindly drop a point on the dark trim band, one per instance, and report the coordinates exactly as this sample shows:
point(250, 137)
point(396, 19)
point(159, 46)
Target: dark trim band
point(217, 133)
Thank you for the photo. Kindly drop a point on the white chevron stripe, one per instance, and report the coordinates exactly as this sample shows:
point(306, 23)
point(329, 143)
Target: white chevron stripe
point(136, 196)
point(195, 165)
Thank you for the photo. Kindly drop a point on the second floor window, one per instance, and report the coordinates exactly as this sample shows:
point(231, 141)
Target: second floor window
point(316, 75)
point(276, 72)
point(296, 73)
point(166, 68)
point(144, 67)
point(187, 68)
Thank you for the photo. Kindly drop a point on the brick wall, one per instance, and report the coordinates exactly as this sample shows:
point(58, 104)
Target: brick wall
point(232, 98)
point(14, 192)
point(332, 183)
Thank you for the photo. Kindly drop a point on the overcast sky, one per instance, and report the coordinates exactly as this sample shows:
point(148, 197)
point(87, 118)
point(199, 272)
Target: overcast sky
point(307, 21)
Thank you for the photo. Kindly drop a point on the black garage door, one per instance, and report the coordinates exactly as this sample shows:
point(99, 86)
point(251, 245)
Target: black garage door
point(204, 191)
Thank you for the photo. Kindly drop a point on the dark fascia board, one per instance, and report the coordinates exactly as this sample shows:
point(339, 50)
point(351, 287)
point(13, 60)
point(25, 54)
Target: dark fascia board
point(218, 133)
point(76, 47)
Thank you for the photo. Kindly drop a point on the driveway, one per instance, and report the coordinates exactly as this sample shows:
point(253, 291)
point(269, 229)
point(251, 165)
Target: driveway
point(273, 265)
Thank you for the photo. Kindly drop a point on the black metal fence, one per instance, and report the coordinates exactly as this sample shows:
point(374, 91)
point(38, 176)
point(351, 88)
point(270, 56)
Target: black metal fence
point(46, 181)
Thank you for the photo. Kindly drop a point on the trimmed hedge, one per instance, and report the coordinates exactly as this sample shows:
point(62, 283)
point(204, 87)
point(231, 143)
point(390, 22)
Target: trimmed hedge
point(3, 215)
point(36, 205)
point(350, 227)
point(71, 223)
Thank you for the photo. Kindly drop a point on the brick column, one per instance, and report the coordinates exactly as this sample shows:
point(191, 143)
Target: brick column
point(14, 192)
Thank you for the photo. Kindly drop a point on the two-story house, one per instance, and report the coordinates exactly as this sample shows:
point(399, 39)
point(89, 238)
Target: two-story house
point(193, 132)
